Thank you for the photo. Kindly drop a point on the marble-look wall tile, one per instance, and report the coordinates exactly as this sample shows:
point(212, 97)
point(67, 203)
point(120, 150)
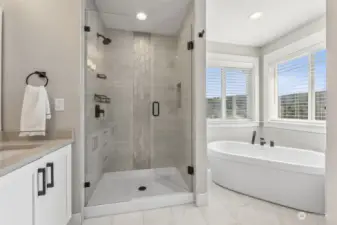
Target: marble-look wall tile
point(141, 101)
point(166, 132)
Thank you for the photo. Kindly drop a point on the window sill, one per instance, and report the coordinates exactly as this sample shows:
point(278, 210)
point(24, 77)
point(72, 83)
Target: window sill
point(298, 125)
point(231, 123)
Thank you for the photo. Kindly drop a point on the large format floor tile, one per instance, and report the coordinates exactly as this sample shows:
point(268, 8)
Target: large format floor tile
point(225, 208)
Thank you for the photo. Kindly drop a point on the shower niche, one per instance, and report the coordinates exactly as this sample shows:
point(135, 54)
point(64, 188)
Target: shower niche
point(148, 69)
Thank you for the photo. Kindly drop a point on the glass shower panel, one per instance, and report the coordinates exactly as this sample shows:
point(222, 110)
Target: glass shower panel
point(171, 122)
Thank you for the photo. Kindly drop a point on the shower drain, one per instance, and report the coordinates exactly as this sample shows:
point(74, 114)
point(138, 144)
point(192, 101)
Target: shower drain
point(142, 188)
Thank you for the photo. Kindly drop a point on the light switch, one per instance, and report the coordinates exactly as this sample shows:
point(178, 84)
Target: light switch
point(59, 104)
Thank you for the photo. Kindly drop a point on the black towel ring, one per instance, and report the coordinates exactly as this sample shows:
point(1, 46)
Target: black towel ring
point(40, 74)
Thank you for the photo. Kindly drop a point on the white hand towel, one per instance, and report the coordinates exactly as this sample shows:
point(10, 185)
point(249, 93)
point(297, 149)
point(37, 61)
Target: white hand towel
point(35, 111)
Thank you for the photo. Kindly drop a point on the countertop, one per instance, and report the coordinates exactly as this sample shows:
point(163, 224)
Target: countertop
point(40, 148)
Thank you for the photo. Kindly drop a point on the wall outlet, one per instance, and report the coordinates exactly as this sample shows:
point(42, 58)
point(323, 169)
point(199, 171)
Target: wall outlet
point(59, 104)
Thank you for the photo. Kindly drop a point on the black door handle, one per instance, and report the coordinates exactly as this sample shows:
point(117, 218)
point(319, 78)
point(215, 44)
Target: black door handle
point(155, 108)
point(52, 183)
point(43, 191)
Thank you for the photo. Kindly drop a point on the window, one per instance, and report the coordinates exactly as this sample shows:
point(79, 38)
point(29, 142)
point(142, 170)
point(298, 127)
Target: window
point(301, 87)
point(320, 84)
point(228, 93)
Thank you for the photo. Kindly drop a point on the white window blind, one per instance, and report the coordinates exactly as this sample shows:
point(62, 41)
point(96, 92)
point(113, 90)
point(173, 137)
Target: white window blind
point(319, 69)
point(301, 87)
point(236, 92)
point(228, 92)
point(214, 93)
point(293, 86)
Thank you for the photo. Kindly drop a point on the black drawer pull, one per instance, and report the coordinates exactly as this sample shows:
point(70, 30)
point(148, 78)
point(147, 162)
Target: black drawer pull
point(155, 109)
point(44, 190)
point(52, 183)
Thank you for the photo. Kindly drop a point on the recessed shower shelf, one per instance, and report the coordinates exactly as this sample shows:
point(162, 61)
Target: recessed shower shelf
point(102, 99)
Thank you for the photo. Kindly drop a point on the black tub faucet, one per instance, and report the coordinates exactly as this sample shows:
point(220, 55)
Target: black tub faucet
point(262, 142)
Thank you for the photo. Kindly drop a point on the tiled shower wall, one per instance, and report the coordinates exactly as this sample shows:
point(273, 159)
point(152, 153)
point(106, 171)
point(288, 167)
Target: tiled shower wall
point(141, 130)
point(143, 68)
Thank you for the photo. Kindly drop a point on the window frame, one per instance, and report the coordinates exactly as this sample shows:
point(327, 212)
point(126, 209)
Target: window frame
point(306, 46)
point(218, 60)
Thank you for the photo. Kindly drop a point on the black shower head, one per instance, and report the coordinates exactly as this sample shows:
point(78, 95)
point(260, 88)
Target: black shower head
point(106, 40)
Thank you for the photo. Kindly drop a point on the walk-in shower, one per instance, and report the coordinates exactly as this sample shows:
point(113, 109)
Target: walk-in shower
point(140, 147)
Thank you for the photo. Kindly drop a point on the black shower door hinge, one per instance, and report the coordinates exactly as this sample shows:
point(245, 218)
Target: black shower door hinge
point(190, 170)
point(87, 28)
point(87, 185)
point(190, 45)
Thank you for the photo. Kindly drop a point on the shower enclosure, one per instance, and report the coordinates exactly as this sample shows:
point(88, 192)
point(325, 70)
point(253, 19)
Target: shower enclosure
point(138, 107)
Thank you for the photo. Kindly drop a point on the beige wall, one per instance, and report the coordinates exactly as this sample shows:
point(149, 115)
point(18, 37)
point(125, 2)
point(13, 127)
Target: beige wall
point(45, 35)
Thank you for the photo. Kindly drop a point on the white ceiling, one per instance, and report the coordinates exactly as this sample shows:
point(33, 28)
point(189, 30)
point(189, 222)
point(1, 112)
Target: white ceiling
point(228, 20)
point(164, 16)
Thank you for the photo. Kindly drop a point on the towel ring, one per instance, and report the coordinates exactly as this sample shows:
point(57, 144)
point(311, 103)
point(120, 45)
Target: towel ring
point(40, 74)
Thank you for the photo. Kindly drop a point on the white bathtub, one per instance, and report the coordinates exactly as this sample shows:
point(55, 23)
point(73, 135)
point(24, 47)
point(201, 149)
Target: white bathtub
point(286, 176)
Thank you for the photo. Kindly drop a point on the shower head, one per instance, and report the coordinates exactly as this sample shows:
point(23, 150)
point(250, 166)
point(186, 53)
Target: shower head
point(106, 41)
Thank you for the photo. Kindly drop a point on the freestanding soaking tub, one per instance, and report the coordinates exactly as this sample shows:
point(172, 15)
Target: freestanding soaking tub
point(286, 176)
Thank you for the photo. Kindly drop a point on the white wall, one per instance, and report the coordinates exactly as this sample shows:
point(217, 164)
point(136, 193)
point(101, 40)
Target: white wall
point(331, 153)
point(199, 138)
point(241, 134)
point(231, 49)
point(302, 32)
point(47, 35)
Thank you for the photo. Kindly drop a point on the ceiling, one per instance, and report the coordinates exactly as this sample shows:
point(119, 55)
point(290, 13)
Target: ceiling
point(228, 20)
point(164, 16)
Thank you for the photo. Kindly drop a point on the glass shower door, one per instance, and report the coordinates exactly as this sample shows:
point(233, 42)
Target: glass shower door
point(171, 109)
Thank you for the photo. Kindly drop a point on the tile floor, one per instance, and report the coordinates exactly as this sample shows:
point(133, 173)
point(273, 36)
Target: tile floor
point(225, 208)
point(123, 186)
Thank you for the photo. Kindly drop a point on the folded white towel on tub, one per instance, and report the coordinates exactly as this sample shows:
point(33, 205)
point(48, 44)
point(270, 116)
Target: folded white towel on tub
point(35, 111)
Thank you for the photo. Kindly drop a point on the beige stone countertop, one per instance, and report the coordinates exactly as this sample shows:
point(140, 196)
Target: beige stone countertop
point(15, 154)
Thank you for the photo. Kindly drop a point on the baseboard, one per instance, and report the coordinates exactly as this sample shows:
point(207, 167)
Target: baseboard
point(76, 219)
point(138, 205)
point(201, 199)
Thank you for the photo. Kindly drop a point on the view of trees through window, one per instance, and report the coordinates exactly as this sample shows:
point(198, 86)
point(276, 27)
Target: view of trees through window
point(234, 81)
point(293, 82)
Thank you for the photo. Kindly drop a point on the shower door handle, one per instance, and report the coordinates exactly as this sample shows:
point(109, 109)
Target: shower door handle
point(155, 109)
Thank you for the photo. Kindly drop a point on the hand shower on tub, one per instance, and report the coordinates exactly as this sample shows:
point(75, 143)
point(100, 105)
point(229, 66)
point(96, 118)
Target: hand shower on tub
point(253, 137)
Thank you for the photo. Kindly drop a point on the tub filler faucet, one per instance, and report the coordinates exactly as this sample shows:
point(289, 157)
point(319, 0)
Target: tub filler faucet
point(262, 142)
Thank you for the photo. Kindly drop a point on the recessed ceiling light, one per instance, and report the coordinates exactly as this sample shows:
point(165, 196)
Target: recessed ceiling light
point(141, 16)
point(256, 16)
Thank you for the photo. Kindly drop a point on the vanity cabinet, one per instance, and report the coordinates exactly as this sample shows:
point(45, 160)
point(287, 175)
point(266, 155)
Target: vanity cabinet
point(39, 193)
